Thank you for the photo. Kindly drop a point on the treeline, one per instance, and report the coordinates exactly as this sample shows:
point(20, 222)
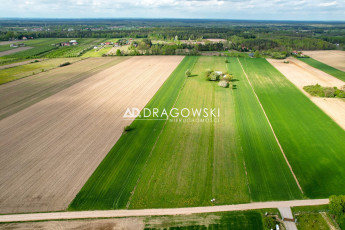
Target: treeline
point(252, 37)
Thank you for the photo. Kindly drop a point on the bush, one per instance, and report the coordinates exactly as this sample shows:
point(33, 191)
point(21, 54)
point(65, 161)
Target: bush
point(228, 77)
point(188, 73)
point(64, 64)
point(127, 128)
point(213, 76)
point(118, 52)
point(223, 83)
point(269, 222)
point(226, 61)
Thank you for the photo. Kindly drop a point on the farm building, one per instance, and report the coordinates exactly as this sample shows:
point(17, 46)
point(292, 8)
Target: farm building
point(70, 43)
point(65, 44)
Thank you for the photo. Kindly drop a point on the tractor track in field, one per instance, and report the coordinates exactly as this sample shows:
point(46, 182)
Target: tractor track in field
point(275, 136)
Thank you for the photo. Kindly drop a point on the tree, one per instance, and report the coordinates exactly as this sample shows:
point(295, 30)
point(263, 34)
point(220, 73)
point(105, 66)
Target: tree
point(188, 73)
point(337, 205)
point(118, 52)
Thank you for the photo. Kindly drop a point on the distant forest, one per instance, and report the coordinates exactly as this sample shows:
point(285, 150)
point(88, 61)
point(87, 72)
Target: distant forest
point(274, 36)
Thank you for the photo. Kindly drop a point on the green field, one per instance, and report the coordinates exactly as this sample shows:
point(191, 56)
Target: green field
point(17, 72)
point(325, 68)
point(5, 47)
point(194, 162)
point(98, 52)
point(84, 44)
point(268, 174)
point(245, 220)
point(313, 142)
point(163, 164)
point(40, 48)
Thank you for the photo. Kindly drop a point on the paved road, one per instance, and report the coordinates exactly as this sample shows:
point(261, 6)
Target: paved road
point(156, 212)
point(286, 213)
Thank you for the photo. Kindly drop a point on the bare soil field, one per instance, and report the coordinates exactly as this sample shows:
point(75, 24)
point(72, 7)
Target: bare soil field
point(334, 58)
point(302, 74)
point(7, 52)
point(50, 149)
point(10, 42)
point(22, 93)
point(134, 223)
point(216, 40)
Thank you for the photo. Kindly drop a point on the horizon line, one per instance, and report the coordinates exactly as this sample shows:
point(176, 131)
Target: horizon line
point(145, 18)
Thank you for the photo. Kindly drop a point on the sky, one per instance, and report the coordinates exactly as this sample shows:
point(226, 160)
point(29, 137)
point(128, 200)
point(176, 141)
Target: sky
point(316, 10)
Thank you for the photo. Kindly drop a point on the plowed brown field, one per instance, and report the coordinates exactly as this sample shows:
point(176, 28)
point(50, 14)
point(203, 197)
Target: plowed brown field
point(49, 150)
point(334, 58)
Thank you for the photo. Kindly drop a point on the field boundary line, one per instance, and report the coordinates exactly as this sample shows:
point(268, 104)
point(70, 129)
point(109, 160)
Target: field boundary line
point(275, 136)
point(153, 147)
point(155, 212)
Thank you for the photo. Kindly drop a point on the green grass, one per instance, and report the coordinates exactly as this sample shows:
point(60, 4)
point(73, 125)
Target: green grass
point(17, 72)
point(245, 220)
point(310, 209)
point(325, 68)
point(313, 143)
point(111, 184)
point(98, 52)
point(268, 174)
point(313, 221)
point(5, 48)
point(195, 162)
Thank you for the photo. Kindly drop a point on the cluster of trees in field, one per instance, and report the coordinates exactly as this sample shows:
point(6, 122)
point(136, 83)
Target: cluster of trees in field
point(320, 91)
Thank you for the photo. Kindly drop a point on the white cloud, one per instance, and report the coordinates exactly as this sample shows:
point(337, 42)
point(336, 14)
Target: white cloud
point(227, 9)
point(328, 3)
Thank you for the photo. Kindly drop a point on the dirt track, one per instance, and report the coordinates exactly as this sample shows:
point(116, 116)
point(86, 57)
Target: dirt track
point(334, 58)
point(49, 150)
point(302, 74)
point(7, 52)
point(158, 212)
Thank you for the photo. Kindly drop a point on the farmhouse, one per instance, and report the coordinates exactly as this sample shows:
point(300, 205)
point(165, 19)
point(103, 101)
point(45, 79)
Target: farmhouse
point(65, 44)
point(70, 43)
point(73, 42)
